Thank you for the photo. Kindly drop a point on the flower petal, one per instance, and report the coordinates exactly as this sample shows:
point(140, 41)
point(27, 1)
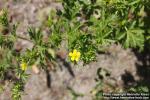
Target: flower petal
point(77, 59)
point(23, 66)
point(72, 58)
point(75, 51)
point(70, 54)
point(78, 54)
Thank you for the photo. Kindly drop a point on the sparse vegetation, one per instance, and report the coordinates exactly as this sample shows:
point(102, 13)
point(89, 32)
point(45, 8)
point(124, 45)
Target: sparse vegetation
point(87, 26)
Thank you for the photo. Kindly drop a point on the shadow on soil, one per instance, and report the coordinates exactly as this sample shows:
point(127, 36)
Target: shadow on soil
point(143, 68)
point(67, 66)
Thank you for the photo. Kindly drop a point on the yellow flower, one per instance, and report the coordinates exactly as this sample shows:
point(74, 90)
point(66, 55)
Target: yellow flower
point(75, 55)
point(23, 66)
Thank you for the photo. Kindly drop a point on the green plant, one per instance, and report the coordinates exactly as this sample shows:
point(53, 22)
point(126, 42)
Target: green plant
point(97, 91)
point(16, 91)
point(139, 89)
point(1, 88)
point(17, 62)
point(87, 26)
point(74, 94)
point(4, 23)
point(86, 47)
point(100, 23)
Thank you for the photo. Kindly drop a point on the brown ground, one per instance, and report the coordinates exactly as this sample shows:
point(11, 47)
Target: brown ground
point(122, 64)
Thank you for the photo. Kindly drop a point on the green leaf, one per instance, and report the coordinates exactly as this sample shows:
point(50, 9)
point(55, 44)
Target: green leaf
point(134, 38)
